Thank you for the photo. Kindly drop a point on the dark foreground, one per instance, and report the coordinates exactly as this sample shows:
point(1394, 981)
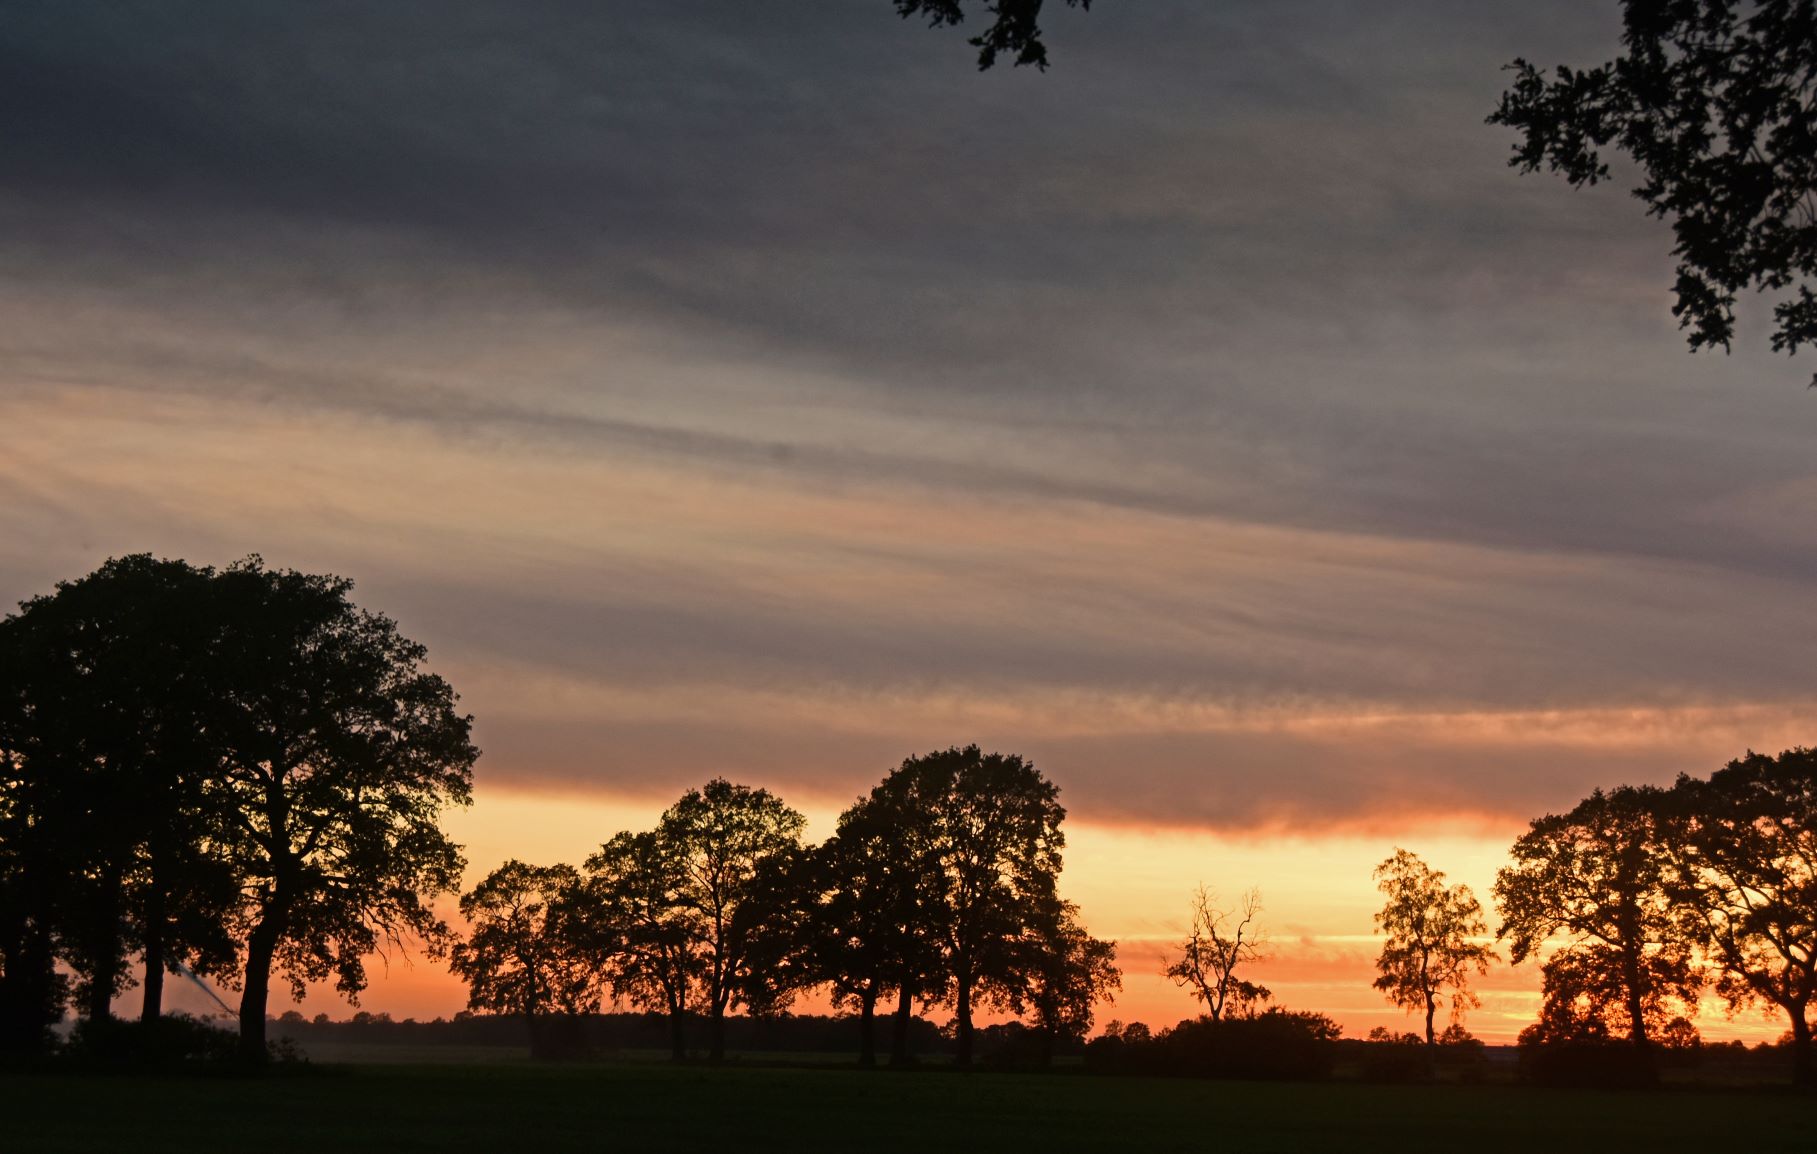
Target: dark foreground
point(646, 1108)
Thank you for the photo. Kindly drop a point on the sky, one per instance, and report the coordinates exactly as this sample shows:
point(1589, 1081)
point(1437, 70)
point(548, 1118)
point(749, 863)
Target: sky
point(760, 390)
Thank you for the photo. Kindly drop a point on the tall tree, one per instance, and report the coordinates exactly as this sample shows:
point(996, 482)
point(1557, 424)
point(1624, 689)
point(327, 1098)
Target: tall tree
point(533, 949)
point(1218, 943)
point(633, 889)
point(1712, 100)
point(341, 752)
point(723, 836)
point(1747, 879)
point(986, 827)
point(1015, 26)
point(1430, 943)
point(868, 917)
point(106, 722)
point(1599, 875)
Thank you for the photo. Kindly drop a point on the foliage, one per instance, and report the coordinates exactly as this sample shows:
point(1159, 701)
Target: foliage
point(1065, 974)
point(1712, 100)
point(1218, 943)
point(339, 754)
point(724, 839)
point(1015, 26)
point(633, 888)
point(533, 949)
point(1745, 855)
point(1430, 944)
point(1277, 1044)
point(986, 829)
point(1599, 875)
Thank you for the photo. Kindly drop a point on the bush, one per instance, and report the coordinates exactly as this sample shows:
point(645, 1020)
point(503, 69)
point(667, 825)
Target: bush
point(1602, 1065)
point(1280, 1045)
point(174, 1039)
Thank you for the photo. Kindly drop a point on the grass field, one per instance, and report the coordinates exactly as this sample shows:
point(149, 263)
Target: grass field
point(648, 1107)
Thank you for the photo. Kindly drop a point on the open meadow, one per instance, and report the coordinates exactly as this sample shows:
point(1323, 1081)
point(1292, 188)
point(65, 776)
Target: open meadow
point(635, 1106)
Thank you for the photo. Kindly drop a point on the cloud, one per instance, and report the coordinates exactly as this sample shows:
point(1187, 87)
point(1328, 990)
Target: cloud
point(1214, 417)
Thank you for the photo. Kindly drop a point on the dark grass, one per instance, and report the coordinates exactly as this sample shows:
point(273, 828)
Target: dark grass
point(646, 1107)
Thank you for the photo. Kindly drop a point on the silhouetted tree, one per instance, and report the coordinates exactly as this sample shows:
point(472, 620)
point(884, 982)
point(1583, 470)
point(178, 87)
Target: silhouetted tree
point(722, 835)
point(1015, 26)
point(1429, 948)
point(1747, 878)
point(1599, 874)
point(1066, 972)
point(986, 827)
point(868, 917)
point(634, 887)
point(1712, 100)
point(107, 726)
point(341, 753)
point(1584, 996)
point(533, 949)
point(1218, 943)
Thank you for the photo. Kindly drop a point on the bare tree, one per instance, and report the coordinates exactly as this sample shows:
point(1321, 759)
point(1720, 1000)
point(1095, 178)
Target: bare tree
point(1219, 943)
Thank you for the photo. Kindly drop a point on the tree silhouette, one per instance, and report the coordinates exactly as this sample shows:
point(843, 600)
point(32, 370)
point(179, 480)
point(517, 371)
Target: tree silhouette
point(1066, 972)
point(1429, 944)
point(1584, 996)
point(106, 809)
point(1712, 100)
point(1747, 879)
point(341, 753)
point(1218, 943)
point(869, 902)
point(633, 889)
point(1600, 875)
point(533, 950)
point(722, 835)
point(1015, 26)
point(986, 827)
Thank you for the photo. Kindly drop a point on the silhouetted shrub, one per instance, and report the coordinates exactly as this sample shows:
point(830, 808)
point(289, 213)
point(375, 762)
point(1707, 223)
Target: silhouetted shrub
point(1390, 1057)
point(175, 1039)
point(1279, 1045)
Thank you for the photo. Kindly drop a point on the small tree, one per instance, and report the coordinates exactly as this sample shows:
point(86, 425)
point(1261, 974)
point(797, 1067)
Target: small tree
point(1218, 944)
point(1066, 974)
point(1429, 946)
point(633, 890)
point(533, 950)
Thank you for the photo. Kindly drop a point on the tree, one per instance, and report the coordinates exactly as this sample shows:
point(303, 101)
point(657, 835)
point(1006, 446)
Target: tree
point(340, 752)
point(1712, 100)
point(1215, 949)
point(1015, 27)
point(1429, 947)
point(106, 729)
point(533, 950)
point(869, 899)
point(986, 828)
point(1599, 875)
point(1584, 997)
point(1747, 880)
point(723, 835)
point(633, 889)
point(1066, 974)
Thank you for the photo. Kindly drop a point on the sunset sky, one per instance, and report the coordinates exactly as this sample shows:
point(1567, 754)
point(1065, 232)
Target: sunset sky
point(723, 388)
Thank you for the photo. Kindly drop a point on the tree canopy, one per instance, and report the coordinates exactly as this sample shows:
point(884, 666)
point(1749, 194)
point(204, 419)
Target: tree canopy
point(1429, 947)
point(1015, 26)
point(1711, 100)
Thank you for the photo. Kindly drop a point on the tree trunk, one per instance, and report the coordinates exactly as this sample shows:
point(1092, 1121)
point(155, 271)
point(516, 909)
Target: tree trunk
point(1431, 1009)
point(261, 946)
point(678, 1039)
point(962, 1004)
point(1637, 1015)
point(152, 1007)
point(1804, 1071)
point(716, 1051)
point(899, 1039)
point(867, 1028)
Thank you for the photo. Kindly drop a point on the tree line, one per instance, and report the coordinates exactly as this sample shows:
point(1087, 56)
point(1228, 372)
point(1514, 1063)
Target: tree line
point(939, 887)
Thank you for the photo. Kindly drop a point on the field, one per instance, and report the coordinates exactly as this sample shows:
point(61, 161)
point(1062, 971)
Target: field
point(646, 1107)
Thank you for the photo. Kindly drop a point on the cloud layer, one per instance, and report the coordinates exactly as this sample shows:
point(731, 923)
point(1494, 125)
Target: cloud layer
point(1214, 417)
